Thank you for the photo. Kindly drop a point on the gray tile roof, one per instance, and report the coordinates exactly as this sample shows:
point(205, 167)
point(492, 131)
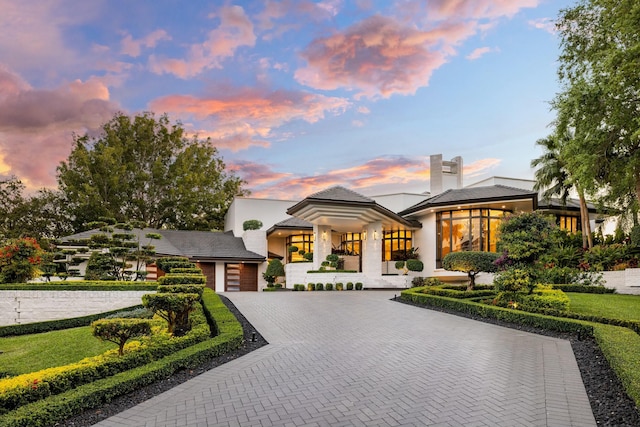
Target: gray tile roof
point(294, 222)
point(470, 195)
point(192, 244)
point(340, 194)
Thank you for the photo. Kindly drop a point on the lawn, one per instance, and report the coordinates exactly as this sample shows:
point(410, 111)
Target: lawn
point(614, 306)
point(28, 353)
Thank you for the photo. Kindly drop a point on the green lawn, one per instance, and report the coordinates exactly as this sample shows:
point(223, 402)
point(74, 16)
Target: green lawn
point(29, 353)
point(615, 306)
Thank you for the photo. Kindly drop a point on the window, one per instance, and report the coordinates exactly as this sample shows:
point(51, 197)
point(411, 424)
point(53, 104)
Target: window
point(396, 244)
point(467, 230)
point(302, 242)
point(350, 243)
point(569, 223)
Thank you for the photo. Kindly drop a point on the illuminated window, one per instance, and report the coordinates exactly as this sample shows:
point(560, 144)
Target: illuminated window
point(350, 243)
point(569, 223)
point(467, 230)
point(302, 242)
point(396, 244)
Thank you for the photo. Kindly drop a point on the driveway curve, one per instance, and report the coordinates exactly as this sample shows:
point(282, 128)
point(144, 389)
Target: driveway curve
point(359, 359)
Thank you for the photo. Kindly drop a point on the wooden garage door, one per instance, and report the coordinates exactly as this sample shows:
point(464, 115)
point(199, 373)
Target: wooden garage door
point(209, 271)
point(241, 277)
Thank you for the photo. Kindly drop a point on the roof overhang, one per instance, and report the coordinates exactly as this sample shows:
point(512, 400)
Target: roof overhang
point(348, 216)
point(513, 204)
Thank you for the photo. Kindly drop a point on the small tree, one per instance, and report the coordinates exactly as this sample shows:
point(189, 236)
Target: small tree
point(19, 260)
point(472, 263)
point(174, 308)
point(274, 270)
point(119, 331)
point(251, 224)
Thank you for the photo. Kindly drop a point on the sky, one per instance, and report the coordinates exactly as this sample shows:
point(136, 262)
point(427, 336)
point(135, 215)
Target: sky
point(297, 95)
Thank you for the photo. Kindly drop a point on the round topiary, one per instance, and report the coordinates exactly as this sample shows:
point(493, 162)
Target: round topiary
point(350, 286)
point(251, 224)
point(358, 286)
point(329, 286)
point(319, 287)
point(415, 265)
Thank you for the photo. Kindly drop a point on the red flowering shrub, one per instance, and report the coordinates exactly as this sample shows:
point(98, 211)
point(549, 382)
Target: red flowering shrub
point(19, 260)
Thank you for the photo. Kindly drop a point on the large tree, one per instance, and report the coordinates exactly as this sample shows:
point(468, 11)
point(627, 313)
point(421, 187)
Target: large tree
point(600, 98)
point(554, 180)
point(146, 169)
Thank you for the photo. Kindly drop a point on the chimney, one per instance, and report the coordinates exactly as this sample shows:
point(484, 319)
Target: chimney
point(445, 175)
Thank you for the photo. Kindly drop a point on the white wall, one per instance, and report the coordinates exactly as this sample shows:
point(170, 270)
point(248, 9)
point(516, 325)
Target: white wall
point(18, 307)
point(269, 211)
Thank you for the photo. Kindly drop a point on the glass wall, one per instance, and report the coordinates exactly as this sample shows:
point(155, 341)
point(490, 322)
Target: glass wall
point(302, 242)
point(467, 230)
point(396, 244)
point(350, 243)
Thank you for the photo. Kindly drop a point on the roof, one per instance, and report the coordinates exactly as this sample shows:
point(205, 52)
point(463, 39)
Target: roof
point(490, 193)
point(204, 245)
point(569, 205)
point(346, 209)
point(292, 223)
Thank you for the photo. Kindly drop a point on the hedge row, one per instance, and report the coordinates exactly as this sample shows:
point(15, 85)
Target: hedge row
point(453, 292)
point(634, 325)
point(22, 389)
point(55, 325)
point(59, 407)
point(584, 289)
point(417, 296)
point(81, 285)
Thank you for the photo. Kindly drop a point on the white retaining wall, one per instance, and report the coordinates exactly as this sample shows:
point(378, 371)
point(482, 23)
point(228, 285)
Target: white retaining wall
point(17, 307)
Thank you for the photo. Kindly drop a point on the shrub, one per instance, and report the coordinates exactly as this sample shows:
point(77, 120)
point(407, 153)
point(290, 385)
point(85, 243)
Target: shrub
point(358, 286)
point(184, 289)
point(417, 281)
point(182, 279)
point(399, 265)
point(274, 270)
point(166, 264)
point(415, 265)
point(191, 270)
point(119, 331)
point(432, 281)
point(308, 256)
point(513, 280)
point(174, 308)
point(19, 260)
point(328, 286)
point(339, 286)
point(311, 286)
point(349, 286)
point(319, 287)
point(471, 262)
point(251, 224)
point(292, 249)
point(136, 313)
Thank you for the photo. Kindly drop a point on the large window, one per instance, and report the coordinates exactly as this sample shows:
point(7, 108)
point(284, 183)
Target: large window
point(569, 223)
point(302, 242)
point(350, 243)
point(467, 230)
point(396, 244)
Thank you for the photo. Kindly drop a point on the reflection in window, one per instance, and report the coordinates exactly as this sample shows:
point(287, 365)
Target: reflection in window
point(302, 242)
point(569, 223)
point(350, 244)
point(467, 230)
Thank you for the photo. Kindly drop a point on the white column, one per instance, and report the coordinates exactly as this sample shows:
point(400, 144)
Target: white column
point(322, 244)
point(372, 250)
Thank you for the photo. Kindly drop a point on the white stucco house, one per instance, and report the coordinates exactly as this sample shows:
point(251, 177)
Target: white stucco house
point(368, 233)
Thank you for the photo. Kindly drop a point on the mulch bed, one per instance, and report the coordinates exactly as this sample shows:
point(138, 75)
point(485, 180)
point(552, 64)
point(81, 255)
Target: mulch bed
point(611, 406)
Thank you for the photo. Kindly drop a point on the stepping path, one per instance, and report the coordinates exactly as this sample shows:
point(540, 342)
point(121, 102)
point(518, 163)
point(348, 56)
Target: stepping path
point(359, 359)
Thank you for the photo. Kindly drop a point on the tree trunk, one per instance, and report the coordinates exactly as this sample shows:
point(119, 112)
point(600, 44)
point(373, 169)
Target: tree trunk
point(587, 240)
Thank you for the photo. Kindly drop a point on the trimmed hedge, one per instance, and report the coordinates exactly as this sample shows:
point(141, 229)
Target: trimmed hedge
point(81, 285)
point(59, 407)
point(455, 292)
point(583, 289)
point(56, 325)
point(182, 279)
point(415, 295)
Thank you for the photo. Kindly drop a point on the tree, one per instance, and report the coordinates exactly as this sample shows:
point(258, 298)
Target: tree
point(19, 260)
point(119, 331)
point(554, 178)
point(599, 65)
point(274, 270)
point(146, 169)
point(472, 263)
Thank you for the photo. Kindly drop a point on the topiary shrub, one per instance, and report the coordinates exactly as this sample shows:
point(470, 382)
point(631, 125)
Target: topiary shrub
point(414, 265)
point(182, 279)
point(166, 264)
point(329, 286)
point(119, 331)
point(311, 286)
point(184, 289)
point(359, 286)
point(319, 287)
point(417, 281)
point(433, 281)
point(349, 286)
point(251, 224)
point(292, 249)
point(472, 263)
point(399, 265)
point(174, 308)
point(308, 256)
point(274, 270)
point(339, 286)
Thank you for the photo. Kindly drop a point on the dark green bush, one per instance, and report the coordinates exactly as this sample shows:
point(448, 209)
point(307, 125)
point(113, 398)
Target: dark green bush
point(311, 286)
point(167, 264)
point(584, 289)
point(471, 262)
point(251, 224)
point(192, 270)
point(119, 331)
point(417, 281)
point(184, 289)
point(329, 286)
point(174, 308)
point(399, 265)
point(319, 287)
point(339, 286)
point(433, 281)
point(182, 279)
point(359, 286)
point(349, 286)
point(415, 265)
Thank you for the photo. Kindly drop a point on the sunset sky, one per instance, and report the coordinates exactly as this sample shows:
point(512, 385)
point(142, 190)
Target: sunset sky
point(297, 95)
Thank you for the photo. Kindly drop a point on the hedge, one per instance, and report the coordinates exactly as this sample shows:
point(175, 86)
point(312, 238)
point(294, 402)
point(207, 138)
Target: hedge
point(415, 295)
point(59, 407)
point(182, 279)
point(452, 292)
point(82, 285)
point(55, 325)
point(584, 289)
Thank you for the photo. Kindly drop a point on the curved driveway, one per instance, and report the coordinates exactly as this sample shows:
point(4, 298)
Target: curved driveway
point(359, 359)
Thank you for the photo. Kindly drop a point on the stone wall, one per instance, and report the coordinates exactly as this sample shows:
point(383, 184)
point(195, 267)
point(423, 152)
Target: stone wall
point(17, 307)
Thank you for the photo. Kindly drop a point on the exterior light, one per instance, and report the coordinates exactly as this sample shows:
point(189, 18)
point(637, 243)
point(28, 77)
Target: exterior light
point(364, 234)
point(375, 234)
point(324, 235)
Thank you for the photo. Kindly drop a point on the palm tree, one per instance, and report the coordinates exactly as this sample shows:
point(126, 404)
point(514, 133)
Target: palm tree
point(553, 177)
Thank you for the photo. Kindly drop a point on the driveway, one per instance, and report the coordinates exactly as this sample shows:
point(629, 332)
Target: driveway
point(359, 359)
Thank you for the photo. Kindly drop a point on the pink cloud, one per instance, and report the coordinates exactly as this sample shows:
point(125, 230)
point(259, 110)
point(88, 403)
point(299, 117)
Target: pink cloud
point(242, 117)
point(270, 20)
point(476, 9)
point(36, 126)
point(235, 30)
point(133, 47)
point(545, 24)
point(383, 174)
point(479, 53)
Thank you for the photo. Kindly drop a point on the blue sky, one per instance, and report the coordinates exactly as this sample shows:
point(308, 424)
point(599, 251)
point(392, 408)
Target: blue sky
point(296, 95)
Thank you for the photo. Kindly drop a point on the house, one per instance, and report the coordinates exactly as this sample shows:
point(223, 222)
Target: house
point(368, 233)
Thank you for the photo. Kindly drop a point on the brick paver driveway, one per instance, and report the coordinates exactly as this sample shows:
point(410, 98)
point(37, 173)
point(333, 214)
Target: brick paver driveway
point(359, 359)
